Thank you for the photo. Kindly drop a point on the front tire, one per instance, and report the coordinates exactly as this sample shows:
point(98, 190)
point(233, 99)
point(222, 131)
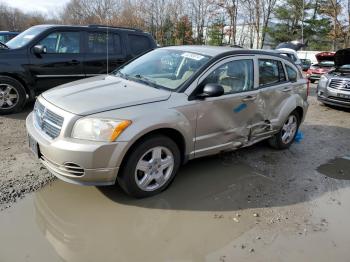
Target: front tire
point(12, 95)
point(285, 137)
point(150, 167)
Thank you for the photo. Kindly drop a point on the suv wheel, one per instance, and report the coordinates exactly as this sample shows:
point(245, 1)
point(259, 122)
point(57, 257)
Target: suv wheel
point(151, 167)
point(285, 137)
point(12, 95)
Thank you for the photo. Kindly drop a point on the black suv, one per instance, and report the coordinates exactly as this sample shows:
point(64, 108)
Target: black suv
point(46, 56)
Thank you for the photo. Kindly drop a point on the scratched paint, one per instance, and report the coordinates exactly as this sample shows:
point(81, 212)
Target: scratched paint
point(240, 107)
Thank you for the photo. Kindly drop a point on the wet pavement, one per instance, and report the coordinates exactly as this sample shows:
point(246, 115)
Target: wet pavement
point(206, 215)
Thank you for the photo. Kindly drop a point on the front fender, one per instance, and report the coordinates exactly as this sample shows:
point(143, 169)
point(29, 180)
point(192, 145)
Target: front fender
point(146, 119)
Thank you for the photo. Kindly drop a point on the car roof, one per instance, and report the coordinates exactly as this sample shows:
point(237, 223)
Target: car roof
point(94, 27)
point(221, 51)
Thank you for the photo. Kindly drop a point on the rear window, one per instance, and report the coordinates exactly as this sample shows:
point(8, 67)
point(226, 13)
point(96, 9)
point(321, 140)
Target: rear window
point(139, 44)
point(270, 72)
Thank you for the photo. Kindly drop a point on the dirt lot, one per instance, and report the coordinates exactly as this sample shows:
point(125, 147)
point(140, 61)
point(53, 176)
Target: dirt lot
point(257, 204)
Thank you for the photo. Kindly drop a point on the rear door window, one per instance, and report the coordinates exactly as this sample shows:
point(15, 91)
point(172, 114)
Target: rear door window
point(292, 73)
point(62, 43)
point(139, 43)
point(271, 72)
point(97, 43)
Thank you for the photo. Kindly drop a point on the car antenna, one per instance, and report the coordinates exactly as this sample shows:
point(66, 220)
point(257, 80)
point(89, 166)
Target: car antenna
point(107, 43)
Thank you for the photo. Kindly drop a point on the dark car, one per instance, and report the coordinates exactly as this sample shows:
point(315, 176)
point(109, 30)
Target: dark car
point(325, 64)
point(305, 64)
point(6, 36)
point(46, 56)
point(334, 87)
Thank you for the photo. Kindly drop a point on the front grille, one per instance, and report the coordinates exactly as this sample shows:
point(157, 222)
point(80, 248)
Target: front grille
point(340, 84)
point(47, 121)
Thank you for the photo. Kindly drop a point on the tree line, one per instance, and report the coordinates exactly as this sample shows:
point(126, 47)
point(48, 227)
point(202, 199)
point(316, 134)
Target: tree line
point(323, 24)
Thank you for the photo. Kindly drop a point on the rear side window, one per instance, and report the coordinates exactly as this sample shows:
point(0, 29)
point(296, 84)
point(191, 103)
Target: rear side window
point(139, 44)
point(62, 43)
point(292, 73)
point(97, 43)
point(270, 72)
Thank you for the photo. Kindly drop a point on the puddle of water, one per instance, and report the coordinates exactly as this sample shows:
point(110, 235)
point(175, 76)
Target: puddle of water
point(338, 168)
point(188, 222)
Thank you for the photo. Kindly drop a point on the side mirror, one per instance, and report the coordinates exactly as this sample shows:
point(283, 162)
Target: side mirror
point(212, 90)
point(39, 49)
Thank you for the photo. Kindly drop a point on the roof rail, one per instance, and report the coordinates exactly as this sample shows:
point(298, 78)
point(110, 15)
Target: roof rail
point(116, 27)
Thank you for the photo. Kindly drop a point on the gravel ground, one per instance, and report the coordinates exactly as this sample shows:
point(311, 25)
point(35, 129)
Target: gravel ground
point(20, 173)
point(326, 132)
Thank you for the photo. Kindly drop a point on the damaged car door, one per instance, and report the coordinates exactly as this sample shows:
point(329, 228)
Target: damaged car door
point(228, 121)
point(276, 89)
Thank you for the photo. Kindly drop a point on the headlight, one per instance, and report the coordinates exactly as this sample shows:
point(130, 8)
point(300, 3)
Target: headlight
point(323, 82)
point(99, 129)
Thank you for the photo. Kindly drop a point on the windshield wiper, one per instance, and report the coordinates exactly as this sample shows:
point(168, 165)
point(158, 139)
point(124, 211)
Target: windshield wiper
point(3, 45)
point(146, 81)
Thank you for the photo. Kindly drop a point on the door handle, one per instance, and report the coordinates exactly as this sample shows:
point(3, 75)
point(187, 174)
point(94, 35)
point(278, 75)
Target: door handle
point(74, 62)
point(249, 98)
point(287, 89)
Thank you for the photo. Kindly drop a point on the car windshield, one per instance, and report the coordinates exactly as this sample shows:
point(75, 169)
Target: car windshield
point(23, 38)
point(163, 68)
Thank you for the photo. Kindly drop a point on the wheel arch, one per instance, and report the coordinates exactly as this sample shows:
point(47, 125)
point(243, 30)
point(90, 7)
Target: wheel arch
point(20, 80)
point(169, 132)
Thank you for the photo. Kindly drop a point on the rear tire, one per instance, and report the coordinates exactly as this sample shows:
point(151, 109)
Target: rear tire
point(150, 167)
point(285, 137)
point(12, 95)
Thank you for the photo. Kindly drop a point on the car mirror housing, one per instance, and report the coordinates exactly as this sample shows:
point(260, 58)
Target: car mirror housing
point(212, 90)
point(40, 49)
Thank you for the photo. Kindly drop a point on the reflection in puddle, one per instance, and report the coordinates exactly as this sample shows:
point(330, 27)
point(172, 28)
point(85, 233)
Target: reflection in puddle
point(338, 168)
point(102, 224)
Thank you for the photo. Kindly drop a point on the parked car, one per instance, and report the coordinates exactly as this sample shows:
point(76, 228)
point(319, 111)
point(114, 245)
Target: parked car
point(305, 64)
point(45, 56)
point(6, 36)
point(334, 87)
point(137, 125)
point(325, 64)
point(291, 54)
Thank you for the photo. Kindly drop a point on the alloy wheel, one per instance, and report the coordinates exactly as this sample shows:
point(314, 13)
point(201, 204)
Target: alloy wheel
point(154, 168)
point(289, 129)
point(8, 96)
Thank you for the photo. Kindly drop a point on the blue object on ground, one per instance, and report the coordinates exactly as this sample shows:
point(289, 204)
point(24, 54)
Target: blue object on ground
point(299, 136)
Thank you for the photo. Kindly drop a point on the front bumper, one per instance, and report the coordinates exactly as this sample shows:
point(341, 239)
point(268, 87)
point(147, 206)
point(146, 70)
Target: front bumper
point(334, 97)
point(97, 162)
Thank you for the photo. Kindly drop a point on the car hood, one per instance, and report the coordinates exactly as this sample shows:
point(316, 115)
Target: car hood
point(325, 56)
point(102, 93)
point(342, 57)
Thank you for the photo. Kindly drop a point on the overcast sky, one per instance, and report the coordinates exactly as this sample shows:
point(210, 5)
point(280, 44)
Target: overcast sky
point(44, 6)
